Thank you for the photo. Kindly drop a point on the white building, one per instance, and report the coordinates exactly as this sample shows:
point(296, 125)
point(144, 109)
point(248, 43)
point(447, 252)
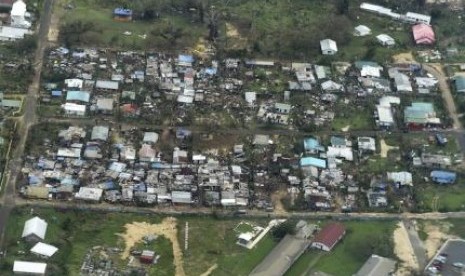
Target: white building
point(328, 47)
point(18, 15)
point(8, 33)
point(34, 229)
point(44, 250)
point(402, 82)
point(362, 30)
point(29, 268)
point(72, 109)
point(386, 40)
point(89, 194)
point(384, 111)
point(415, 18)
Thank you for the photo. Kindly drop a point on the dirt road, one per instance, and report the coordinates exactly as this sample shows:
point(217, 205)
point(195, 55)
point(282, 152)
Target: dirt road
point(436, 70)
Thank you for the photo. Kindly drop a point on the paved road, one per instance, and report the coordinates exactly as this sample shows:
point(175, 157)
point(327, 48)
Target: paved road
point(25, 122)
point(106, 207)
point(417, 244)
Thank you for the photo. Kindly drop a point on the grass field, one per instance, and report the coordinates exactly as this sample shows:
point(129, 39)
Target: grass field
point(458, 227)
point(214, 242)
point(211, 241)
point(74, 233)
point(355, 120)
point(449, 197)
point(362, 240)
point(284, 30)
point(107, 32)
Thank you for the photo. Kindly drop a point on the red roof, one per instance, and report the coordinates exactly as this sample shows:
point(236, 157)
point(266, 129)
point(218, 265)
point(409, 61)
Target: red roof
point(423, 34)
point(6, 3)
point(330, 234)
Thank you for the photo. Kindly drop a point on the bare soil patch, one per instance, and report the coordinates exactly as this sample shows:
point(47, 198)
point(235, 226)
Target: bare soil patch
point(404, 58)
point(138, 230)
point(404, 251)
point(385, 148)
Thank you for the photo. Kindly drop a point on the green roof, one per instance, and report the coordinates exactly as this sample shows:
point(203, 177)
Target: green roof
point(419, 112)
point(460, 84)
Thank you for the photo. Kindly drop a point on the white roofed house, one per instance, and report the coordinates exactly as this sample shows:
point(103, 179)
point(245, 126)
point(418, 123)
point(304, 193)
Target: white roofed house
point(74, 83)
point(150, 137)
point(182, 197)
point(362, 30)
point(29, 268)
point(386, 40)
point(383, 114)
point(402, 83)
point(330, 85)
point(8, 33)
point(89, 194)
point(44, 250)
point(100, 133)
point(34, 229)
point(72, 109)
point(328, 47)
point(106, 85)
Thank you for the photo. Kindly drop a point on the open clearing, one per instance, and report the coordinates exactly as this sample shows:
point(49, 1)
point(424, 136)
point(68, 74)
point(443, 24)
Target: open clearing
point(137, 230)
point(385, 148)
point(404, 58)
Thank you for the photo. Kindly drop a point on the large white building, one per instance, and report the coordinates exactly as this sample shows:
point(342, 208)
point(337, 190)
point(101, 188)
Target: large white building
point(34, 229)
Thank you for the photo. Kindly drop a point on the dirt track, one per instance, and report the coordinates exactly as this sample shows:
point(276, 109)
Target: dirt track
point(404, 251)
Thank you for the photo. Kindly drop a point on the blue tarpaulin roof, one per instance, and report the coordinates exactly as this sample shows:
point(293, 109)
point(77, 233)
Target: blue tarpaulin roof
point(186, 58)
point(57, 93)
point(82, 96)
point(312, 144)
point(312, 161)
point(443, 177)
point(122, 12)
point(211, 71)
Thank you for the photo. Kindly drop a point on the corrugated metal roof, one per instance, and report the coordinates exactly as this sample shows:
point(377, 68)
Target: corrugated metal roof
point(312, 161)
point(36, 226)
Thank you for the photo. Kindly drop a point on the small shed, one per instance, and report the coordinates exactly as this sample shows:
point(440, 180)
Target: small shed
point(385, 40)
point(328, 47)
point(122, 14)
point(34, 229)
point(147, 256)
point(362, 30)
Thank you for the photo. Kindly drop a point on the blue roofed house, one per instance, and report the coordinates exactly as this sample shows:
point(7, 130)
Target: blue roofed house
point(122, 14)
point(78, 96)
point(313, 162)
point(185, 60)
point(312, 146)
point(459, 82)
point(443, 177)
